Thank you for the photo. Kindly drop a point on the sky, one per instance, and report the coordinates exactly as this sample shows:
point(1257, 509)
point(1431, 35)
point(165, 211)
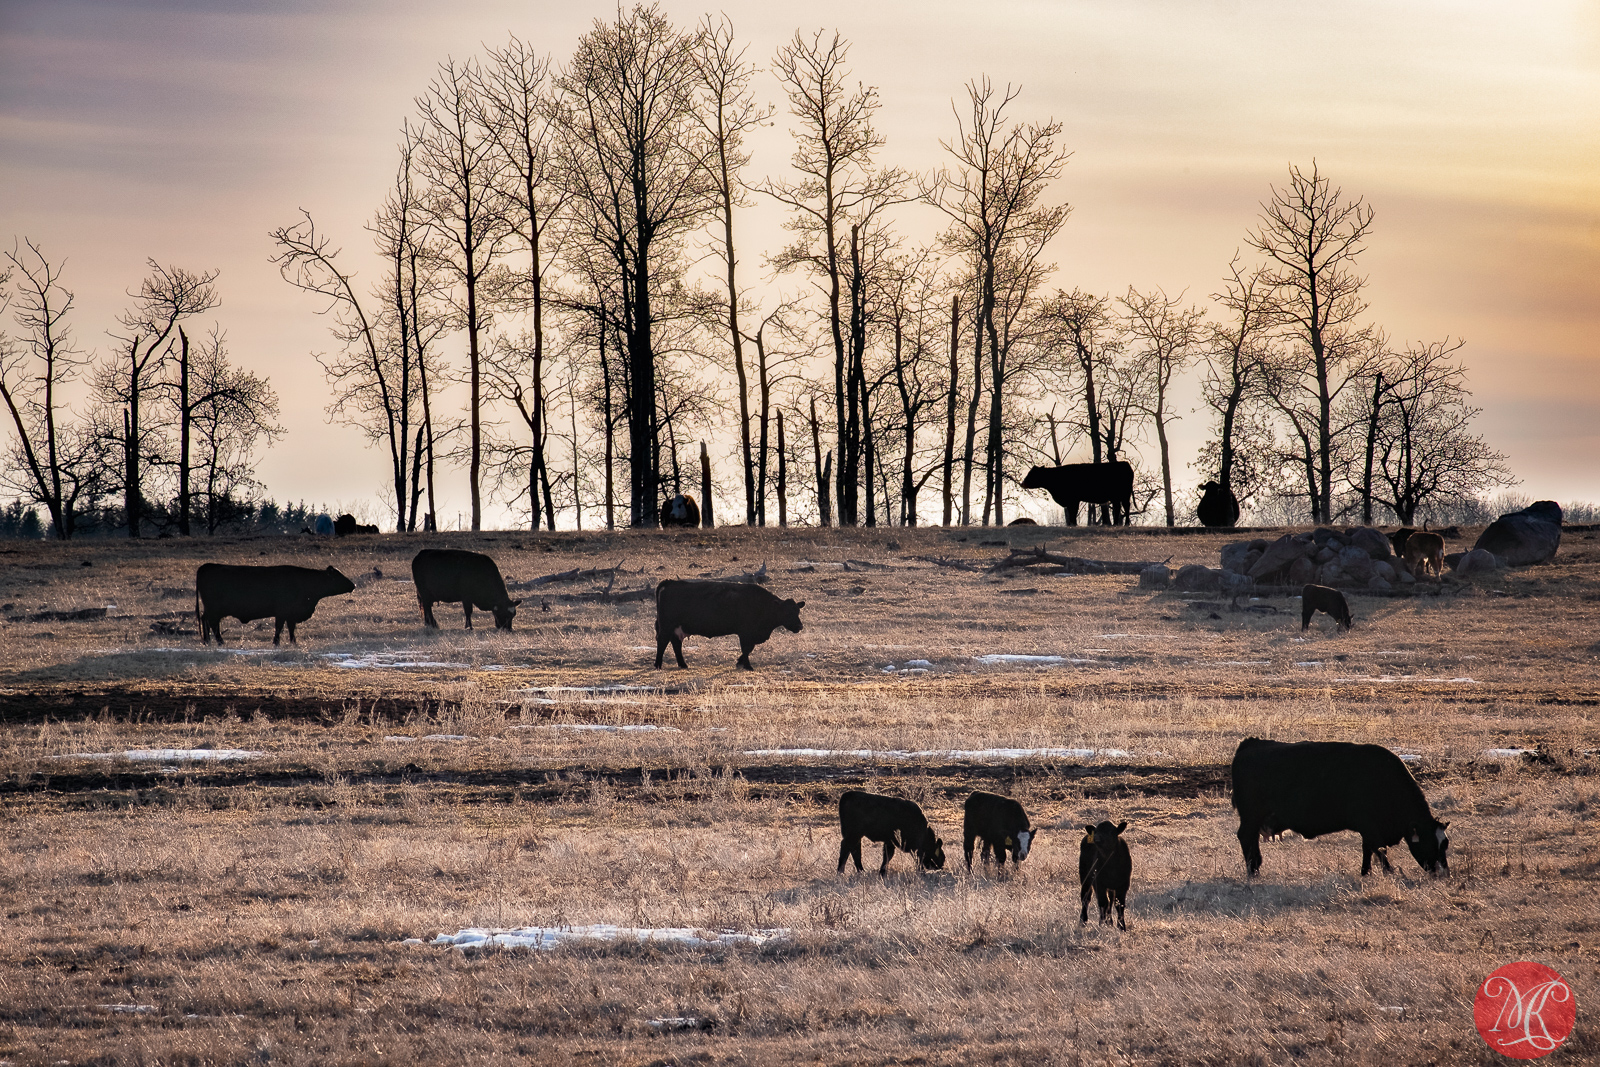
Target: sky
point(186, 130)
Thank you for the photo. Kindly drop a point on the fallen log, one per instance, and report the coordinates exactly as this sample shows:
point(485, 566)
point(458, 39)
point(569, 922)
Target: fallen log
point(1033, 557)
point(958, 564)
point(576, 574)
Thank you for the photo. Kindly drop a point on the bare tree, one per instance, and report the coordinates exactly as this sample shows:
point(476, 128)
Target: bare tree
point(1312, 236)
point(1425, 451)
point(993, 198)
point(515, 97)
point(227, 412)
point(131, 376)
point(834, 145)
point(1167, 337)
point(727, 112)
point(36, 368)
point(638, 166)
point(1089, 339)
point(1236, 352)
point(464, 170)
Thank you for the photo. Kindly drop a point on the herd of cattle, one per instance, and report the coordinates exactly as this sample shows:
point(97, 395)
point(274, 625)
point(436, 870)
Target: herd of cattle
point(1310, 788)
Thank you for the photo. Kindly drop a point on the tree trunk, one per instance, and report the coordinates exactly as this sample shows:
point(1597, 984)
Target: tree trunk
point(765, 401)
point(706, 521)
point(783, 475)
point(183, 433)
point(1372, 445)
point(952, 401)
point(972, 422)
point(824, 508)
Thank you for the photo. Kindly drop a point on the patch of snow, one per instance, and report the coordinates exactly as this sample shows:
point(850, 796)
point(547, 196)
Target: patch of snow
point(130, 1009)
point(1124, 635)
point(1243, 663)
point(1402, 678)
point(961, 754)
point(1006, 657)
point(554, 937)
point(412, 941)
point(449, 737)
point(388, 660)
point(166, 754)
point(674, 1022)
point(1507, 753)
point(1409, 757)
point(1310, 663)
point(399, 737)
point(892, 669)
point(918, 663)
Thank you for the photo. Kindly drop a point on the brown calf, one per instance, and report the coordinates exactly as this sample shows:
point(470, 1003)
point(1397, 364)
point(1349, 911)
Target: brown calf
point(1428, 550)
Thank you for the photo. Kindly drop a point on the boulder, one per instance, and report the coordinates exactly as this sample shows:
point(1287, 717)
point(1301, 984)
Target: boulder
point(1155, 577)
point(1282, 552)
point(1197, 578)
point(1403, 577)
point(1357, 565)
point(1322, 535)
point(1531, 535)
point(1478, 561)
point(1378, 585)
point(1374, 542)
point(1302, 571)
point(1330, 574)
point(1383, 569)
point(1327, 554)
point(1237, 584)
point(1233, 557)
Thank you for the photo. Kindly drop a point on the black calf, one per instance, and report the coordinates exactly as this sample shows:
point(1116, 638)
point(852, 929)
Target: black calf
point(1105, 868)
point(893, 821)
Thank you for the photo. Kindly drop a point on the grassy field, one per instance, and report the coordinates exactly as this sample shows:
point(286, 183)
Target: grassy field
point(397, 783)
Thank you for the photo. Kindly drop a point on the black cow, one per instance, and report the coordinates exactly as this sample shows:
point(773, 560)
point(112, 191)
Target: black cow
point(284, 594)
point(468, 578)
point(895, 822)
point(345, 525)
point(1218, 506)
point(1326, 599)
point(1321, 787)
point(1088, 483)
point(717, 609)
point(1001, 823)
point(680, 510)
point(1105, 868)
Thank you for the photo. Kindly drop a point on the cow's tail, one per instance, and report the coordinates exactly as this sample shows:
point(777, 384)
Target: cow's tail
point(199, 619)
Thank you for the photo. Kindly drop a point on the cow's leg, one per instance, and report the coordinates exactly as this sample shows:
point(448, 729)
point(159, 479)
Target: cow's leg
point(1086, 890)
point(888, 854)
point(1000, 855)
point(1071, 508)
point(1250, 845)
point(677, 646)
point(292, 641)
point(427, 613)
point(746, 646)
point(661, 651)
point(846, 850)
point(467, 605)
point(1102, 895)
point(1122, 901)
point(967, 837)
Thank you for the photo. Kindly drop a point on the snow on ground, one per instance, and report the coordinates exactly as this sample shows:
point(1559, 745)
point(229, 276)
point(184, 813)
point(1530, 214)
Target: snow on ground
point(996, 658)
point(1407, 757)
point(389, 660)
point(626, 728)
point(1507, 753)
point(983, 754)
point(432, 737)
point(167, 755)
point(554, 937)
point(1402, 678)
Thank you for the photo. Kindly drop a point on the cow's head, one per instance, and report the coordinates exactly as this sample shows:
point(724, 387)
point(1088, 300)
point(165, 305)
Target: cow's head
point(1209, 488)
point(1019, 843)
point(1035, 478)
point(338, 584)
point(1430, 847)
point(1104, 837)
point(504, 615)
point(932, 851)
point(790, 611)
point(1399, 538)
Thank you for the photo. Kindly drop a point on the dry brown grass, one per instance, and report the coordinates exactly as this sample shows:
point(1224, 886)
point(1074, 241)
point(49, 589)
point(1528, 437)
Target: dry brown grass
point(257, 909)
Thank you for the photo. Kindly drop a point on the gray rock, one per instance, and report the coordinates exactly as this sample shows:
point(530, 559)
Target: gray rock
point(1197, 578)
point(1156, 577)
point(1531, 535)
point(1374, 542)
point(1478, 561)
point(1383, 569)
point(1237, 584)
point(1378, 585)
point(323, 525)
point(1403, 576)
point(1322, 535)
point(1330, 574)
point(1327, 554)
point(1282, 552)
point(1302, 571)
point(1233, 557)
point(1357, 565)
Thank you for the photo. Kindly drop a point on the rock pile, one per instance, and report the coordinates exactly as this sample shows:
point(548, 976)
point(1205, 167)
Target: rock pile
point(1357, 558)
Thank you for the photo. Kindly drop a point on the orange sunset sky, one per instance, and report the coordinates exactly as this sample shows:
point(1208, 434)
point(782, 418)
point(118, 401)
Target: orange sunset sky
point(185, 130)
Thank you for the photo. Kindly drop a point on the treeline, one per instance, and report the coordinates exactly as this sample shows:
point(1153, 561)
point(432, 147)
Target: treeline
point(561, 244)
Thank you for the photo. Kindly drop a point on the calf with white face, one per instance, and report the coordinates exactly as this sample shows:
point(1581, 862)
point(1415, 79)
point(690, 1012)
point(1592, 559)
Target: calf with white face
point(1002, 825)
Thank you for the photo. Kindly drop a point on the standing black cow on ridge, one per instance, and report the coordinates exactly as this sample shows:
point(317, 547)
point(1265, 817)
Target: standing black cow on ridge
point(1088, 483)
point(284, 594)
point(1217, 507)
point(718, 609)
point(1321, 787)
point(469, 578)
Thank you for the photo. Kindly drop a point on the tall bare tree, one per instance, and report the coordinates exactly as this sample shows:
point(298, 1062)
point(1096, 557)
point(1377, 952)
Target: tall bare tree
point(464, 170)
point(994, 198)
point(638, 170)
point(124, 382)
point(227, 412)
point(1089, 338)
point(1236, 351)
point(728, 112)
point(1167, 337)
point(518, 113)
point(834, 146)
point(1312, 236)
point(50, 464)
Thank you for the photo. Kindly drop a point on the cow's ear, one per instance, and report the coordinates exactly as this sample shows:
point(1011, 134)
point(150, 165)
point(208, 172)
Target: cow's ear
point(1090, 831)
point(1443, 825)
point(799, 604)
point(1121, 826)
point(517, 601)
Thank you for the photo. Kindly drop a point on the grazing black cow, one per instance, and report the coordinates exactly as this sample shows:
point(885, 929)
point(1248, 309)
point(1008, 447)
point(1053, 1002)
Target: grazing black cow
point(468, 578)
point(895, 822)
point(284, 594)
point(1315, 598)
point(1088, 483)
point(1105, 867)
point(1022, 521)
point(1001, 823)
point(680, 510)
point(345, 525)
point(717, 609)
point(1320, 787)
point(1218, 506)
